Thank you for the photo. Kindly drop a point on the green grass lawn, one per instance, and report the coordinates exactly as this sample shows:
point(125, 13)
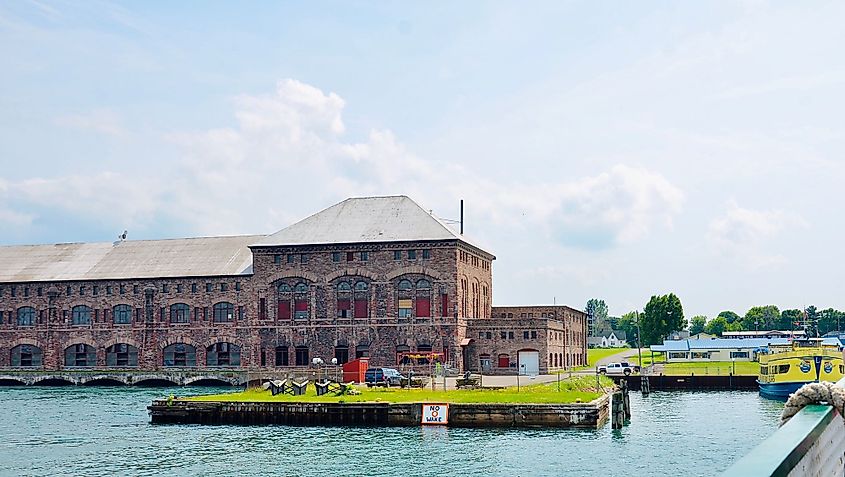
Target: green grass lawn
point(595, 354)
point(581, 388)
point(714, 368)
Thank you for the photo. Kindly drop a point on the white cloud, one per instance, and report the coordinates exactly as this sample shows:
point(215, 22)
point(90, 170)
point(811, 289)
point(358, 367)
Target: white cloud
point(745, 234)
point(288, 152)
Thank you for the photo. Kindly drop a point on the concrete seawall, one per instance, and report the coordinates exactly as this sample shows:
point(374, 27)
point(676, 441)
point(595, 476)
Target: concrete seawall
point(588, 415)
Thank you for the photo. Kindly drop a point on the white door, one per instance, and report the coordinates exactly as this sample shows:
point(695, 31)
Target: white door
point(529, 363)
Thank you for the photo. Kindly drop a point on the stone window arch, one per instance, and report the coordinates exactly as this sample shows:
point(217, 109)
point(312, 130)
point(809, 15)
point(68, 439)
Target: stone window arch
point(121, 355)
point(26, 316)
point(179, 355)
point(181, 313)
point(122, 314)
point(223, 354)
point(81, 315)
point(413, 298)
point(80, 355)
point(224, 312)
point(26, 356)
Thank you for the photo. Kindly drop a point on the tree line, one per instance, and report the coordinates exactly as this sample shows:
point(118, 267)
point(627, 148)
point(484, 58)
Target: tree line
point(664, 314)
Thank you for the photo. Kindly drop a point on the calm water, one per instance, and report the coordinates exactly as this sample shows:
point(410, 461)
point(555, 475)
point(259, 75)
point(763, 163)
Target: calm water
point(106, 431)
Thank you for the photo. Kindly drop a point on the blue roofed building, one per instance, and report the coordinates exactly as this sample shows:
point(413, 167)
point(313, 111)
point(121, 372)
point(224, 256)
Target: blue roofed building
point(720, 349)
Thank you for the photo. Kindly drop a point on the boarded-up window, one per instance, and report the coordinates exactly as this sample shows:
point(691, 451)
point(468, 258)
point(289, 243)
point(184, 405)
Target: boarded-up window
point(284, 310)
point(301, 309)
point(423, 307)
point(504, 361)
point(444, 305)
point(344, 306)
point(361, 308)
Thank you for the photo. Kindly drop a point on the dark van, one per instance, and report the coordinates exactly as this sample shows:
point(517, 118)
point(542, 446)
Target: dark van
point(383, 377)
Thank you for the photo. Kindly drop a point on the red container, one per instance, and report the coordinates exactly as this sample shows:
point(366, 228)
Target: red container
point(355, 370)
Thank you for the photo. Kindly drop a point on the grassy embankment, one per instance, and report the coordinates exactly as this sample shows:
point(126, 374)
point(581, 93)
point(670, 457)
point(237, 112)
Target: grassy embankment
point(581, 388)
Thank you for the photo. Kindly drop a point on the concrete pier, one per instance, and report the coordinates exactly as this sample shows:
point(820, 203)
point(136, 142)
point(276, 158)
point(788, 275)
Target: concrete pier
point(587, 415)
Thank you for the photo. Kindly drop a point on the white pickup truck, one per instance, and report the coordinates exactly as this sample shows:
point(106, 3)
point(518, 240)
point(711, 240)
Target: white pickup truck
point(619, 368)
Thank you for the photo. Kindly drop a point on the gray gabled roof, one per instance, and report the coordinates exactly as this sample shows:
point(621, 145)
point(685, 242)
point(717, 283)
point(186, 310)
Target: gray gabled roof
point(186, 257)
point(366, 219)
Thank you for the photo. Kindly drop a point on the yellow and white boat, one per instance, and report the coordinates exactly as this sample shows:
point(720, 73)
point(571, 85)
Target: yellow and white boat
point(787, 367)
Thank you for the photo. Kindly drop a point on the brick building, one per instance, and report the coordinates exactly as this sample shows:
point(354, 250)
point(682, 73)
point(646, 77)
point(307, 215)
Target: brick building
point(377, 277)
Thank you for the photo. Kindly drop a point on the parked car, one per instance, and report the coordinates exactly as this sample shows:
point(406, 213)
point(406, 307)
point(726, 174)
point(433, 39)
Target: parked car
point(383, 377)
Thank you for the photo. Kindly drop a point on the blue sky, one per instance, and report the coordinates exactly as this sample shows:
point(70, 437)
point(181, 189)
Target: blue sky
point(604, 149)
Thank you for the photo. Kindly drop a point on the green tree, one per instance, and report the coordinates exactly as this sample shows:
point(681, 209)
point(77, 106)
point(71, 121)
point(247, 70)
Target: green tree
point(697, 324)
point(729, 316)
point(791, 319)
point(661, 316)
point(718, 325)
point(598, 310)
point(831, 320)
point(761, 318)
point(628, 324)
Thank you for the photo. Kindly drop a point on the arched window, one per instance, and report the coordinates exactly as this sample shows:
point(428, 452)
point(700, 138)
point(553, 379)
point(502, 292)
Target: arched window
point(81, 315)
point(26, 356)
point(404, 285)
point(223, 354)
point(181, 313)
point(26, 316)
point(284, 288)
point(80, 355)
point(180, 354)
point(121, 355)
point(344, 300)
point(122, 314)
point(362, 351)
point(300, 301)
point(302, 358)
point(362, 299)
point(422, 303)
point(223, 312)
point(281, 355)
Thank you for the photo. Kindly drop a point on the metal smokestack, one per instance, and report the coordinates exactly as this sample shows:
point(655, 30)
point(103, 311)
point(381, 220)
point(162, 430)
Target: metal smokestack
point(462, 216)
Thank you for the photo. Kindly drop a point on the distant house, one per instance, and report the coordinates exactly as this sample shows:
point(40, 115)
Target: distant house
point(678, 335)
point(608, 339)
point(764, 334)
point(719, 349)
point(702, 336)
